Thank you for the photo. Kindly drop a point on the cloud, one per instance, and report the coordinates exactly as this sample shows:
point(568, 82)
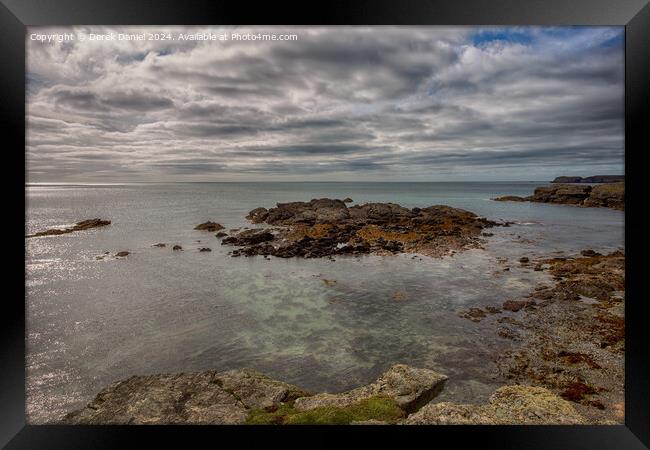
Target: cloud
point(339, 103)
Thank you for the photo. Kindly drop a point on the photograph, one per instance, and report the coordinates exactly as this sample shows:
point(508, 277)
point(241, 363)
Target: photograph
point(325, 225)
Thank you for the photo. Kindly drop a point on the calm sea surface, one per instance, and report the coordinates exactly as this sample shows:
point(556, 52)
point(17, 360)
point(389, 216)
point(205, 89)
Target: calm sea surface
point(91, 322)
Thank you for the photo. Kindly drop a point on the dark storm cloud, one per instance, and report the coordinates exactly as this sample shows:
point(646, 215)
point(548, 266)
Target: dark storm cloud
point(338, 103)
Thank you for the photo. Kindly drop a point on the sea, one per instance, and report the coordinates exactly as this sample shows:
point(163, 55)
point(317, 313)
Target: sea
point(324, 325)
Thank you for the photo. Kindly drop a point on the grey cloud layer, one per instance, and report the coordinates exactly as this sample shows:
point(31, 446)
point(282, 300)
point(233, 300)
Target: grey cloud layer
point(367, 103)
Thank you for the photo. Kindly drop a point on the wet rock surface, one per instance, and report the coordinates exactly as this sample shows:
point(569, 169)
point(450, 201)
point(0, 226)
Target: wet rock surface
point(79, 226)
point(326, 227)
point(570, 337)
point(609, 195)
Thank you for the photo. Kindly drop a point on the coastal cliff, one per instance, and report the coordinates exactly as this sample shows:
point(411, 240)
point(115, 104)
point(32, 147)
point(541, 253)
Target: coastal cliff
point(609, 195)
point(592, 179)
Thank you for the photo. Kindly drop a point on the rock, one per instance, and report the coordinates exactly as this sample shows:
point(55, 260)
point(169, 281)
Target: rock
point(205, 249)
point(248, 237)
point(122, 254)
point(409, 387)
point(258, 215)
point(473, 314)
point(209, 226)
point(567, 194)
point(177, 247)
point(610, 195)
point(510, 198)
point(590, 253)
point(347, 200)
point(516, 305)
point(160, 245)
point(79, 226)
point(256, 390)
point(194, 398)
point(509, 405)
point(221, 234)
point(524, 260)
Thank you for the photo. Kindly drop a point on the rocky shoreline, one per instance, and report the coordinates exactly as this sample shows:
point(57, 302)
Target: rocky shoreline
point(609, 195)
point(568, 337)
point(402, 395)
point(327, 227)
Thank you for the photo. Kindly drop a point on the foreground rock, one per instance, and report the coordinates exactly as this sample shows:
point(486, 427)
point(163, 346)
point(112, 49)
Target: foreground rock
point(409, 387)
point(326, 227)
point(509, 405)
point(610, 195)
point(592, 179)
point(79, 226)
point(246, 396)
point(206, 397)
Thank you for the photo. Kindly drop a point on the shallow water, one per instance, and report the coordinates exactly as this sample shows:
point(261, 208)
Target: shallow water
point(91, 322)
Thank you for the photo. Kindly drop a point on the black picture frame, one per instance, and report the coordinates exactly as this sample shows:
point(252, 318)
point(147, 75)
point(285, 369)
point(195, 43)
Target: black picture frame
point(16, 15)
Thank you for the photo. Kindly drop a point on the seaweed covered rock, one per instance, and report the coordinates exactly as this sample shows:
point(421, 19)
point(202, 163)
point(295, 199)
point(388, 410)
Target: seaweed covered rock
point(326, 227)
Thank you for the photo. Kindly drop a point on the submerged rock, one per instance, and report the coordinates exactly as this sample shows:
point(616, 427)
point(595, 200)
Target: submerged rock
point(509, 405)
point(160, 245)
point(177, 247)
point(122, 253)
point(79, 226)
point(209, 226)
point(205, 249)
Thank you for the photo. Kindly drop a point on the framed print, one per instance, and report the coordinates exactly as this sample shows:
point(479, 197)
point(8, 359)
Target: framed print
point(381, 219)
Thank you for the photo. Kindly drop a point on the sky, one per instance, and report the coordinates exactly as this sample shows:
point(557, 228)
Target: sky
point(333, 104)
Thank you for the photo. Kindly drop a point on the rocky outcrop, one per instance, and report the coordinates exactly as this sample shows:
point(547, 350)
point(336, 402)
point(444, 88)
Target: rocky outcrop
point(509, 405)
point(209, 226)
point(409, 387)
point(247, 396)
point(610, 195)
point(79, 226)
point(326, 227)
point(187, 398)
point(592, 179)
point(229, 397)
